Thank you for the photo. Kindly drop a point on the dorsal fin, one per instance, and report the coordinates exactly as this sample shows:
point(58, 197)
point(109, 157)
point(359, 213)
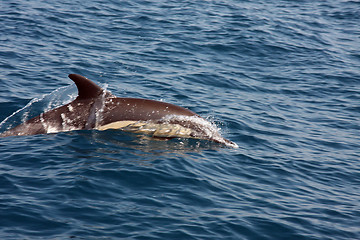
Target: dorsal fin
point(86, 88)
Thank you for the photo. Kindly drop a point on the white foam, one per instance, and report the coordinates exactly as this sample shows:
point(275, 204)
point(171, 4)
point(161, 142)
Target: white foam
point(209, 129)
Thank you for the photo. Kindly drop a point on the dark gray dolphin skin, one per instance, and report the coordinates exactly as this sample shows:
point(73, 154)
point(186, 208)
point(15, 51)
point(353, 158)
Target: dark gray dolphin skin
point(95, 108)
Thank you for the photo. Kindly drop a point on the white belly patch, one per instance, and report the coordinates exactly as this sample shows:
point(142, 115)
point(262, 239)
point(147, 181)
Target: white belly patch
point(155, 129)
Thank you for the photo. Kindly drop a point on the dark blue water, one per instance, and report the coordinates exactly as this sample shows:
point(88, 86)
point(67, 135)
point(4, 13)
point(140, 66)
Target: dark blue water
point(280, 78)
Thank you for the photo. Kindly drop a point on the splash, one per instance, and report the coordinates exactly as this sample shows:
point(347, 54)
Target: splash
point(44, 103)
point(202, 128)
point(27, 106)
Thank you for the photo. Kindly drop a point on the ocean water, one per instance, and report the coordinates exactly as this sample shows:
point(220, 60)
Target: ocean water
point(279, 78)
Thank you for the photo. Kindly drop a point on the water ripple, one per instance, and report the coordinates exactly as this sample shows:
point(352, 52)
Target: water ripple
point(279, 78)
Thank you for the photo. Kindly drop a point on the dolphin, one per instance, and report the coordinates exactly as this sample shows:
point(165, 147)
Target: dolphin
point(95, 108)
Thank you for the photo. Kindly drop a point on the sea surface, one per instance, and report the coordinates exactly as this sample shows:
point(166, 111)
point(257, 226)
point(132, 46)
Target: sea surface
point(279, 78)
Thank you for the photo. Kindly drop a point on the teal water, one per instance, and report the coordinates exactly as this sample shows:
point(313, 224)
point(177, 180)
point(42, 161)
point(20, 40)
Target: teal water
point(280, 78)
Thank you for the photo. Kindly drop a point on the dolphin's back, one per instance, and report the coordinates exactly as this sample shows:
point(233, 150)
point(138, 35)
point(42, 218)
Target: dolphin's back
point(140, 110)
